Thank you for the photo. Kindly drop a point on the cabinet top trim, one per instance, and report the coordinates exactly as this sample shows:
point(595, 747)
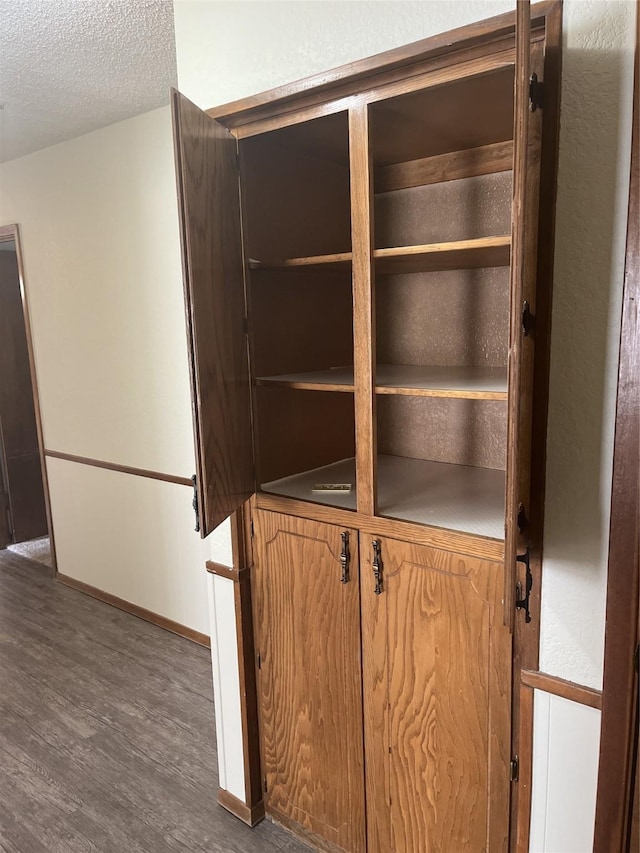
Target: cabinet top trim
point(323, 86)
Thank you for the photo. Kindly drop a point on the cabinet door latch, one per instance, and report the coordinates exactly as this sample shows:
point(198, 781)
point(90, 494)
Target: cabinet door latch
point(522, 601)
point(345, 556)
point(194, 503)
point(376, 565)
point(536, 92)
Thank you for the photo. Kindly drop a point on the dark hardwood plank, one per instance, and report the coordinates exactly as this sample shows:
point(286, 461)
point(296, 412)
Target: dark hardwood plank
point(107, 738)
point(213, 270)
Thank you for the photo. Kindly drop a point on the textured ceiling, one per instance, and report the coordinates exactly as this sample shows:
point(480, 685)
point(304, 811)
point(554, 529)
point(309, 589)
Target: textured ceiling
point(71, 66)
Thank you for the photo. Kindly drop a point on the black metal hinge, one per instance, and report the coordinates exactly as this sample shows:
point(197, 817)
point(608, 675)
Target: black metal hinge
point(514, 769)
point(522, 601)
point(253, 530)
point(264, 784)
point(523, 521)
point(194, 502)
point(259, 661)
point(536, 93)
point(528, 319)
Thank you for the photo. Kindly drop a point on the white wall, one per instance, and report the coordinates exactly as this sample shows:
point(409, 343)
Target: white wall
point(99, 225)
point(566, 739)
point(131, 536)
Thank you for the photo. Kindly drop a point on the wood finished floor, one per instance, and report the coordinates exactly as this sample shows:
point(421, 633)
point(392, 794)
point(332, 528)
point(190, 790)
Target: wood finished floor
point(107, 739)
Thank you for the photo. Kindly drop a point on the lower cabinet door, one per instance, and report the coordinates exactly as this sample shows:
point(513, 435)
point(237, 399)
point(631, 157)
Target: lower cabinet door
point(308, 639)
point(437, 697)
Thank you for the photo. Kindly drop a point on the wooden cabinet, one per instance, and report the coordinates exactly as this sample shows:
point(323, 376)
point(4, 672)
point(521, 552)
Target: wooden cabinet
point(437, 699)
point(367, 261)
point(308, 617)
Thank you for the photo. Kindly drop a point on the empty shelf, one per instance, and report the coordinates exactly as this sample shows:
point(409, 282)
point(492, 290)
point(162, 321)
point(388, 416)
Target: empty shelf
point(483, 383)
point(455, 497)
point(341, 260)
point(300, 486)
point(459, 255)
point(334, 379)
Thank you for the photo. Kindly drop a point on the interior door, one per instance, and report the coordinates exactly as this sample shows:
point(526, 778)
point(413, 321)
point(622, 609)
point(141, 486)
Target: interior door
point(5, 526)
point(524, 218)
point(213, 270)
point(308, 639)
point(21, 479)
point(437, 700)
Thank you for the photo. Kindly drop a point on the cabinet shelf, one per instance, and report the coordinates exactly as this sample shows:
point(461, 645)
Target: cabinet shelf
point(457, 255)
point(455, 497)
point(340, 260)
point(333, 379)
point(478, 253)
point(469, 383)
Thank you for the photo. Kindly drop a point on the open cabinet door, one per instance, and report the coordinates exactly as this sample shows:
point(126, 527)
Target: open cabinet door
point(522, 305)
point(212, 260)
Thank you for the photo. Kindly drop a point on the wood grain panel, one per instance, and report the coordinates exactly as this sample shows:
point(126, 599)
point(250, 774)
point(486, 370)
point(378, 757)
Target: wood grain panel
point(437, 673)
point(212, 255)
point(309, 677)
point(522, 828)
point(364, 307)
point(485, 160)
point(524, 227)
point(527, 635)
point(458, 255)
point(448, 540)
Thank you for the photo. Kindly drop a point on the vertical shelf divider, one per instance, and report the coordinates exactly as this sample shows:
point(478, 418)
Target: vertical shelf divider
point(364, 337)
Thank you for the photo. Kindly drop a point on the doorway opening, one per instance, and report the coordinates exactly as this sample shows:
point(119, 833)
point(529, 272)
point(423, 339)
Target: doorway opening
point(25, 518)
